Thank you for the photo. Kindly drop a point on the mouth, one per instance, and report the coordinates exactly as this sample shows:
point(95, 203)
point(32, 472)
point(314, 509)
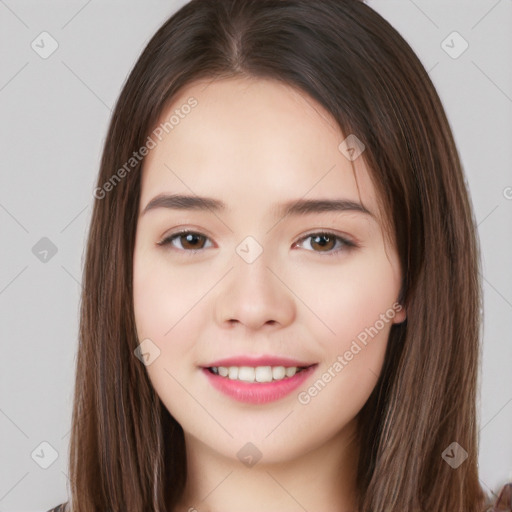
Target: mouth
point(258, 374)
point(257, 384)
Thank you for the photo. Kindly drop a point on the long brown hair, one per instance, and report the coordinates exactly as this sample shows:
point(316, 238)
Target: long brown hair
point(127, 453)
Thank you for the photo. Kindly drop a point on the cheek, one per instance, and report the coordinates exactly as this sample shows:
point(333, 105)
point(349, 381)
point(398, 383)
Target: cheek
point(359, 309)
point(168, 311)
point(169, 300)
point(163, 296)
point(356, 305)
point(350, 297)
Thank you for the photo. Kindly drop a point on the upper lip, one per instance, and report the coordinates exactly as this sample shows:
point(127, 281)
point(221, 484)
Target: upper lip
point(258, 361)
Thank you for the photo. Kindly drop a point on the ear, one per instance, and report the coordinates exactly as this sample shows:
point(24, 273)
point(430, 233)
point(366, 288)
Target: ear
point(400, 313)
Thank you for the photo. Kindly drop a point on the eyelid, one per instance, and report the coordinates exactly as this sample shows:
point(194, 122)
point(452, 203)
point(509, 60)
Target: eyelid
point(323, 231)
point(348, 242)
point(168, 239)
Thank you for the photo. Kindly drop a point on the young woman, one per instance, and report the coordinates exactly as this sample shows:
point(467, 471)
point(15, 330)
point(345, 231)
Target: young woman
point(281, 306)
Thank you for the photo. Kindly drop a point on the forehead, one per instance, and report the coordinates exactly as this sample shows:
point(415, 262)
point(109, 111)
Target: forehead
point(251, 143)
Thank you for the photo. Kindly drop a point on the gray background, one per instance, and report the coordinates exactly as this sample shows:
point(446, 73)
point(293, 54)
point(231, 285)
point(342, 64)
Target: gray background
point(54, 118)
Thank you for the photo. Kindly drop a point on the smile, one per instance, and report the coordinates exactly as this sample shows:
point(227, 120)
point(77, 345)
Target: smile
point(257, 385)
point(257, 374)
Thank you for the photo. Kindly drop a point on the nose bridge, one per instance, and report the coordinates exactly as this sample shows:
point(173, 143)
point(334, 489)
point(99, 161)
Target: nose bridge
point(251, 294)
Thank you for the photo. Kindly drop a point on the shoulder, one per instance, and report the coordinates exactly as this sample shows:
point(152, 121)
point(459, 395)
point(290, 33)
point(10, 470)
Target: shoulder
point(503, 502)
point(59, 508)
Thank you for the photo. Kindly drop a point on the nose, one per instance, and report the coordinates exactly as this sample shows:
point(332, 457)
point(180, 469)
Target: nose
point(254, 295)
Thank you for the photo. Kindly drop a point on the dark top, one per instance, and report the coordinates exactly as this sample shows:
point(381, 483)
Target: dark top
point(58, 508)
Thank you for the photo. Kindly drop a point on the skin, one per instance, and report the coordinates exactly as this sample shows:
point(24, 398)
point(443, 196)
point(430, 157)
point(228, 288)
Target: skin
point(254, 143)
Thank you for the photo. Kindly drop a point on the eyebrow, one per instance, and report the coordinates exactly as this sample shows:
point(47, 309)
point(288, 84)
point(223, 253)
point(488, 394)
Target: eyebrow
point(296, 207)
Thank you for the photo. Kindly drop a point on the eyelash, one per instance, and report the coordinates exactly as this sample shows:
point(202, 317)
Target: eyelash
point(348, 244)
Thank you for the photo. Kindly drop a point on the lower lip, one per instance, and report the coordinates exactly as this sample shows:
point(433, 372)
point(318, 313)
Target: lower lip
point(258, 392)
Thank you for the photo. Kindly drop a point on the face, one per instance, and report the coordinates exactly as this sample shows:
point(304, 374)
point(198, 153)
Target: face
point(242, 278)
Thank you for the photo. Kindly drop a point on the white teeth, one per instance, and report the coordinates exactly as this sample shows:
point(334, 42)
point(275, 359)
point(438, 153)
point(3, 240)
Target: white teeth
point(290, 372)
point(279, 372)
point(264, 374)
point(257, 374)
point(245, 373)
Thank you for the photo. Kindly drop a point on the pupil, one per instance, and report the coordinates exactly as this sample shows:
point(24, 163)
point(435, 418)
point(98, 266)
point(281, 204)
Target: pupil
point(190, 237)
point(326, 239)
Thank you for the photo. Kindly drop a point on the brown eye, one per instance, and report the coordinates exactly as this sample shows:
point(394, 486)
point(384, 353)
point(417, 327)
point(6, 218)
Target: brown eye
point(325, 242)
point(189, 241)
